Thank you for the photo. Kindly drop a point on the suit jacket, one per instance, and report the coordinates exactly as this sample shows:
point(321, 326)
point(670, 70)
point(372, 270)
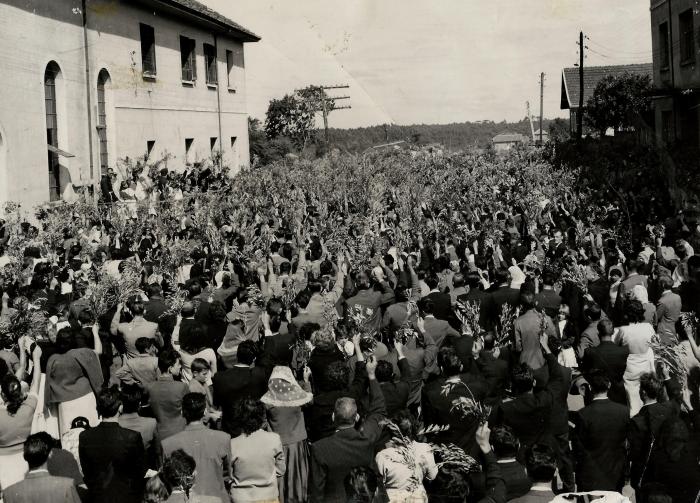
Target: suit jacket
point(527, 337)
point(277, 350)
point(535, 497)
point(549, 301)
point(41, 487)
point(668, 310)
point(495, 372)
point(517, 482)
point(186, 326)
point(487, 310)
point(589, 338)
point(530, 415)
point(643, 429)
point(505, 295)
point(612, 359)
point(234, 384)
point(165, 396)
point(439, 330)
point(599, 446)
point(333, 457)
point(113, 463)
point(396, 393)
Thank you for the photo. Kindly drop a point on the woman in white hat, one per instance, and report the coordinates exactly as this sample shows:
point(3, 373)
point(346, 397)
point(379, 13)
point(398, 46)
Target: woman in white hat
point(284, 400)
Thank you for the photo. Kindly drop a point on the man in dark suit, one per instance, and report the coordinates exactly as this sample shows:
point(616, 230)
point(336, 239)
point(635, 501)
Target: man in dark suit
point(548, 299)
point(188, 325)
point(529, 414)
point(668, 311)
point(505, 447)
point(493, 369)
point(395, 392)
point(156, 307)
point(438, 395)
point(38, 485)
point(487, 313)
point(502, 293)
point(610, 358)
point(528, 329)
point(277, 347)
point(243, 380)
point(438, 329)
point(541, 467)
point(442, 302)
point(333, 457)
point(589, 337)
point(599, 439)
point(112, 457)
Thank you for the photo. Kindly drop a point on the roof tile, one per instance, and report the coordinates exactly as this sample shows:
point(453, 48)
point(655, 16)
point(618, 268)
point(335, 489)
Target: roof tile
point(591, 76)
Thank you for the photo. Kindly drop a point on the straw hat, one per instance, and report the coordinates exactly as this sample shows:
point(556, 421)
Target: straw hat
point(284, 390)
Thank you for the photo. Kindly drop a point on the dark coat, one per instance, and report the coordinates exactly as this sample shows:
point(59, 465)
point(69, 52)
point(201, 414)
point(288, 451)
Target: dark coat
point(234, 384)
point(612, 359)
point(396, 393)
point(599, 446)
point(113, 463)
point(442, 307)
point(487, 310)
point(495, 373)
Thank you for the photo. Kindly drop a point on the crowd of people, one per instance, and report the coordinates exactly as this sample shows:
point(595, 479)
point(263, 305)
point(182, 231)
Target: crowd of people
point(524, 360)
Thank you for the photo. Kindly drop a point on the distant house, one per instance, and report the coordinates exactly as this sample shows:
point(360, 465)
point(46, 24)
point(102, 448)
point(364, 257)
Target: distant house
point(545, 136)
point(506, 141)
point(571, 89)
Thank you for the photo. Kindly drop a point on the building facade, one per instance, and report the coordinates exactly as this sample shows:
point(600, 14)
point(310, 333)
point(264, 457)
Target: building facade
point(676, 43)
point(505, 141)
point(88, 83)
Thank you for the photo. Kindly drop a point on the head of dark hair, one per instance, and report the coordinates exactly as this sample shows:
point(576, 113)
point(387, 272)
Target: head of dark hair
point(501, 276)
point(406, 423)
point(599, 381)
point(187, 310)
point(650, 385)
point(449, 362)
point(522, 379)
point(432, 281)
point(131, 396)
point(337, 375)
point(108, 403)
point(605, 328)
point(12, 393)
point(143, 344)
point(541, 463)
point(458, 280)
point(548, 278)
point(473, 280)
point(427, 306)
point(666, 282)
point(37, 448)
point(528, 300)
point(504, 442)
point(592, 312)
point(247, 352)
point(249, 414)
point(136, 308)
point(199, 364)
point(85, 317)
point(194, 405)
point(167, 358)
point(634, 310)
point(385, 371)
point(178, 471)
point(307, 329)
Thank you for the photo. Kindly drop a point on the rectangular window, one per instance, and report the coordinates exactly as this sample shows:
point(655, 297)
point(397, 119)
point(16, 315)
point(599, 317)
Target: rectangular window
point(188, 148)
point(212, 143)
point(148, 50)
point(229, 70)
point(149, 148)
point(687, 36)
point(188, 59)
point(663, 45)
point(210, 62)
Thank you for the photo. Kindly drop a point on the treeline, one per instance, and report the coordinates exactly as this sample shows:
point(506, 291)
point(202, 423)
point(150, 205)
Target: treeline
point(456, 136)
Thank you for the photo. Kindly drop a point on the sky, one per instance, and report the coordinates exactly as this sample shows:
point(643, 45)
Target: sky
point(432, 62)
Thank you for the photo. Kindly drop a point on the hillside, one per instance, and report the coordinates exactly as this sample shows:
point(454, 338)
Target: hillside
point(454, 136)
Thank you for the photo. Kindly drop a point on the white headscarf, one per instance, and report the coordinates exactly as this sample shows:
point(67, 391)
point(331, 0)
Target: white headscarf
point(640, 293)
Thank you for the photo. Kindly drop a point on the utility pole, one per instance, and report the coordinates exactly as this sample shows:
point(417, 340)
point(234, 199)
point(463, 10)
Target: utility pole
point(541, 103)
point(579, 115)
point(325, 109)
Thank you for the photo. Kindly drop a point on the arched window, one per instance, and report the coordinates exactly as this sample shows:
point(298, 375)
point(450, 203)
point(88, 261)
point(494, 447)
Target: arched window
point(102, 81)
point(50, 75)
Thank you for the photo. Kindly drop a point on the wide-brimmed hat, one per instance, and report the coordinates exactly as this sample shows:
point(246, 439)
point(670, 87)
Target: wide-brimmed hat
point(284, 390)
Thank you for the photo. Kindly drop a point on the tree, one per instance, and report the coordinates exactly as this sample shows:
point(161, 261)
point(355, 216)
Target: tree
point(264, 150)
point(294, 115)
point(559, 130)
point(618, 102)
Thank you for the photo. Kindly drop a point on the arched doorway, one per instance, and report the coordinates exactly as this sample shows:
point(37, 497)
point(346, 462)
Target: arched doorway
point(52, 73)
point(103, 82)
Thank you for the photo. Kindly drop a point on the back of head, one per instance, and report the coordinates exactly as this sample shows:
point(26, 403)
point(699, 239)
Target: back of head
point(432, 281)
point(666, 282)
point(249, 414)
point(143, 345)
point(385, 371)
point(541, 463)
point(12, 393)
point(345, 412)
point(167, 358)
point(592, 312)
point(194, 405)
point(137, 308)
point(522, 379)
point(504, 442)
point(131, 396)
point(473, 280)
point(178, 471)
point(605, 328)
point(501, 276)
point(458, 280)
point(37, 448)
point(599, 381)
point(108, 403)
point(247, 352)
point(548, 278)
point(449, 362)
point(527, 300)
point(650, 386)
point(187, 309)
point(634, 310)
point(406, 423)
